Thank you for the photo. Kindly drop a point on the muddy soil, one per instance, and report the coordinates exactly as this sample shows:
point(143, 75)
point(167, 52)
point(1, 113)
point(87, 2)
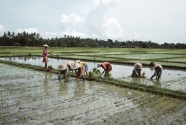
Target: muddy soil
point(31, 97)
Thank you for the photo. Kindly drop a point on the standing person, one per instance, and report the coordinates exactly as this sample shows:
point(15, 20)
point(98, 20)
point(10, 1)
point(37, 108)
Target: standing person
point(85, 64)
point(79, 69)
point(45, 55)
point(157, 71)
point(107, 67)
point(137, 70)
point(63, 70)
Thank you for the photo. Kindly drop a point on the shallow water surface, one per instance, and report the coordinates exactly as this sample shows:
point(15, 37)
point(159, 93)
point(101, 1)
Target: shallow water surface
point(171, 78)
point(32, 97)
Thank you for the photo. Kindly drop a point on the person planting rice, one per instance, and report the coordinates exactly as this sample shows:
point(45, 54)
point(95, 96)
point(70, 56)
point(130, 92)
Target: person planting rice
point(69, 64)
point(157, 71)
point(137, 70)
point(107, 67)
point(45, 55)
point(79, 69)
point(85, 64)
point(63, 70)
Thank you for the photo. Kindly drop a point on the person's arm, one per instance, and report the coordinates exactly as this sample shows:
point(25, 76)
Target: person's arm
point(104, 68)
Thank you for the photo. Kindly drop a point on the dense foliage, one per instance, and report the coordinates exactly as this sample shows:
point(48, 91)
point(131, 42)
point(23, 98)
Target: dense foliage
point(34, 39)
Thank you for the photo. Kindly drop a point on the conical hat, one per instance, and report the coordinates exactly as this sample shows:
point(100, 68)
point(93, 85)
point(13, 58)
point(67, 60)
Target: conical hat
point(62, 67)
point(158, 65)
point(45, 45)
point(75, 65)
point(138, 65)
point(77, 61)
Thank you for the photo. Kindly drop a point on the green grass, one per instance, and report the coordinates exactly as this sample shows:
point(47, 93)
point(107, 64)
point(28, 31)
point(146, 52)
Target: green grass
point(166, 57)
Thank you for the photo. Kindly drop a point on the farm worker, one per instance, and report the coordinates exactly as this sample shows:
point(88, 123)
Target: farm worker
point(69, 64)
point(137, 70)
point(63, 70)
point(157, 71)
point(79, 69)
point(107, 67)
point(85, 64)
point(45, 55)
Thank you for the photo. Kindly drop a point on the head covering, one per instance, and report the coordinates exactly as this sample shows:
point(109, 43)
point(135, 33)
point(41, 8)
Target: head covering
point(62, 67)
point(158, 65)
point(45, 45)
point(98, 65)
point(137, 65)
point(77, 61)
point(75, 65)
point(70, 63)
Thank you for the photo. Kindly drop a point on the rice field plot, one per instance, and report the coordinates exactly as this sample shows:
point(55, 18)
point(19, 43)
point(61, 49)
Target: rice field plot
point(176, 60)
point(89, 58)
point(30, 97)
point(145, 56)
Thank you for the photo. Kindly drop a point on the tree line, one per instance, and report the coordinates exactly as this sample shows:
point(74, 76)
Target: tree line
point(34, 39)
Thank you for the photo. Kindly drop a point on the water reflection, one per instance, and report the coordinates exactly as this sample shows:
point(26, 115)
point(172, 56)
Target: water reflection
point(63, 87)
point(45, 85)
point(79, 90)
point(119, 70)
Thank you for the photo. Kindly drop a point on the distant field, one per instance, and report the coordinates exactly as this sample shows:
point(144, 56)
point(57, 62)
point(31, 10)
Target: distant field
point(166, 57)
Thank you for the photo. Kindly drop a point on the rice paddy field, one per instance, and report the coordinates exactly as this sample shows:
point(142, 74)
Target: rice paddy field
point(166, 57)
point(31, 97)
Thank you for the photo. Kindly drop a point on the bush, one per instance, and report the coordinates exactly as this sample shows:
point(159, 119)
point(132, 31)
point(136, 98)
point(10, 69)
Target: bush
point(152, 63)
point(91, 75)
point(29, 54)
point(97, 71)
point(50, 67)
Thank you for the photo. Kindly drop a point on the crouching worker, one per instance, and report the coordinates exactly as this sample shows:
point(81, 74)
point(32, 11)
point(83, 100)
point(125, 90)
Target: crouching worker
point(69, 64)
point(157, 71)
point(63, 70)
point(137, 70)
point(85, 64)
point(107, 67)
point(79, 69)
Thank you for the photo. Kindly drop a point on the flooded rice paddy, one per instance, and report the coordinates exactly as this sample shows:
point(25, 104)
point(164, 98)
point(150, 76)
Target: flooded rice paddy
point(30, 97)
point(174, 79)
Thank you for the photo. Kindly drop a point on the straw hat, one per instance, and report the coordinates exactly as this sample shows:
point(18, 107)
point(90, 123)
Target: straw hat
point(98, 65)
point(75, 65)
point(138, 65)
point(158, 65)
point(45, 45)
point(62, 67)
point(77, 61)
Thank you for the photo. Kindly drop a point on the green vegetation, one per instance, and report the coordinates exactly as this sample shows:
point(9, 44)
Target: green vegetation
point(49, 67)
point(165, 57)
point(34, 39)
point(91, 75)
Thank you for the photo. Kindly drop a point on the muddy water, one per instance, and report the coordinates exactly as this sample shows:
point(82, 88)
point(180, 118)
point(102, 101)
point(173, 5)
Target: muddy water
point(33, 97)
point(171, 78)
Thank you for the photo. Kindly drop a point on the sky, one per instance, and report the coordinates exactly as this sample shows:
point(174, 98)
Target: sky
point(158, 21)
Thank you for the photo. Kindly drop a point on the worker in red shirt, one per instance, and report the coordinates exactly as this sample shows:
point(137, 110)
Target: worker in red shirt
point(106, 66)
